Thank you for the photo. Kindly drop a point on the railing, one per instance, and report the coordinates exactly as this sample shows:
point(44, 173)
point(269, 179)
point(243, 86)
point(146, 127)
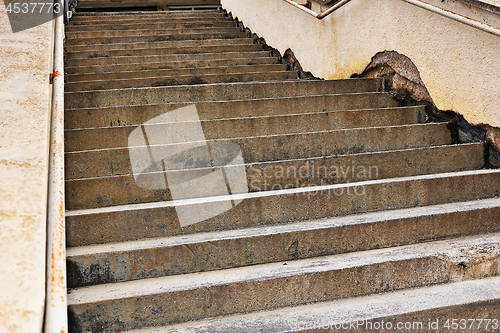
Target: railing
point(446, 13)
point(55, 304)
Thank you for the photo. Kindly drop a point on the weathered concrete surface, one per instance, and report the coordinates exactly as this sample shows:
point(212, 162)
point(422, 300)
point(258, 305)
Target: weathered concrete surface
point(112, 224)
point(458, 64)
point(121, 190)
point(24, 123)
point(138, 114)
point(275, 285)
point(156, 257)
point(469, 299)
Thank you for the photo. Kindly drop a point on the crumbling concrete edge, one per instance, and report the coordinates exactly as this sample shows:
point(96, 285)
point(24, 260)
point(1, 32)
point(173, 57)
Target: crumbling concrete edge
point(402, 80)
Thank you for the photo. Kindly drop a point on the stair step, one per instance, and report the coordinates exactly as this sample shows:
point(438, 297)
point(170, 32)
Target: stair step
point(425, 309)
point(160, 44)
point(177, 72)
point(150, 25)
point(118, 262)
point(357, 103)
point(147, 32)
point(165, 50)
point(118, 16)
point(170, 4)
point(123, 190)
point(154, 38)
point(227, 91)
point(193, 79)
point(116, 160)
point(138, 221)
point(225, 128)
point(167, 58)
point(139, 20)
point(173, 65)
point(182, 298)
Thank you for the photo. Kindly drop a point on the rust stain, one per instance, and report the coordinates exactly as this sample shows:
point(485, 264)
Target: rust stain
point(53, 75)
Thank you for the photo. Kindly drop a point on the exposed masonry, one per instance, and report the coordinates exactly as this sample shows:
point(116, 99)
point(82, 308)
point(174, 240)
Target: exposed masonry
point(402, 80)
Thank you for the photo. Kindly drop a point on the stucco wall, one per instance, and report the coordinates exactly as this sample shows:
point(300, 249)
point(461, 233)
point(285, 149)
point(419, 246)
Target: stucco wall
point(24, 122)
point(459, 65)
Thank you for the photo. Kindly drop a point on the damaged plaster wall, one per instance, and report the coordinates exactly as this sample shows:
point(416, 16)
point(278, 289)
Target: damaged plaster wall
point(458, 64)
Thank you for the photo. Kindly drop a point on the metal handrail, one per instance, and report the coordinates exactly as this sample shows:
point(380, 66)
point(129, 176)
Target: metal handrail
point(443, 12)
point(56, 319)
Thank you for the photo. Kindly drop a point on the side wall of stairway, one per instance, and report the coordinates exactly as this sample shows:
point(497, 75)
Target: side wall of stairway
point(25, 100)
point(458, 64)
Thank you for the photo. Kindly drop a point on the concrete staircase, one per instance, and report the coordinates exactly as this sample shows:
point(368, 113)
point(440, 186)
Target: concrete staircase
point(355, 209)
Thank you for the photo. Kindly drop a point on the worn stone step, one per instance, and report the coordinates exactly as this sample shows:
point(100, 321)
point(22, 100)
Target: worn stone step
point(116, 161)
point(147, 32)
point(153, 38)
point(82, 70)
point(135, 115)
point(425, 309)
point(147, 12)
point(166, 58)
point(341, 169)
point(150, 25)
point(134, 15)
point(153, 302)
point(226, 128)
point(174, 4)
point(176, 80)
point(139, 20)
point(160, 219)
point(228, 91)
point(161, 44)
point(141, 74)
point(118, 262)
point(204, 49)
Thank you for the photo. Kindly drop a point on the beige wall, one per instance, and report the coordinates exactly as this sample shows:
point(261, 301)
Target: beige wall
point(459, 65)
point(24, 121)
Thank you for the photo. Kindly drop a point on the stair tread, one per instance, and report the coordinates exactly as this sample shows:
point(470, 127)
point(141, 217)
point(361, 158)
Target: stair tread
point(333, 314)
point(449, 250)
point(319, 224)
point(161, 204)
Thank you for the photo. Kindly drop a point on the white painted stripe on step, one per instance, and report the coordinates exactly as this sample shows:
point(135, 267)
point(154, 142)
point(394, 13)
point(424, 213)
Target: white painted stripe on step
point(163, 204)
point(326, 223)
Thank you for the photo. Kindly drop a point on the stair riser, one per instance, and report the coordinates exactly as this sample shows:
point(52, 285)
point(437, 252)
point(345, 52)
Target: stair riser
point(156, 38)
point(160, 44)
point(176, 72)
point(166, 58)
point(136, 115)
point(112, 191)
point(147, 32)
point(163, 51)
point(181, 80)
point(163, 95)
point(150, 25)
point(164, 20)
point(114, 137)
point(112, 162)
point(98, 228)
point(217, 300)
point(173, 65)
point(84, 270)
point(94, 19)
